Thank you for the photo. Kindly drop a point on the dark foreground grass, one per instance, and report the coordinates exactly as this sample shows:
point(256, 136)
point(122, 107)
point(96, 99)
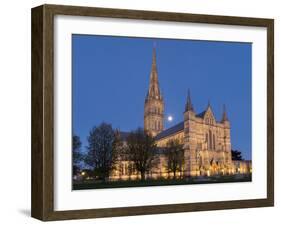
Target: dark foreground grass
point(95, 184)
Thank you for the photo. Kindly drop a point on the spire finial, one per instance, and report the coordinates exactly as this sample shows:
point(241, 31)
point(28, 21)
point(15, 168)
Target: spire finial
point(188, 105)
point(154, 54)
point(154, 90)
point(224, 115)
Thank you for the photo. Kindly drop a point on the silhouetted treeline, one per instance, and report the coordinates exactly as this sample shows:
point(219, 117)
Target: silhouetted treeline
point(236, 155)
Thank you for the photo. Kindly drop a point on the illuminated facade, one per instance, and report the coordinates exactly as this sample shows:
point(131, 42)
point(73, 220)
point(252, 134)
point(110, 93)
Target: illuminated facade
point(206, 141)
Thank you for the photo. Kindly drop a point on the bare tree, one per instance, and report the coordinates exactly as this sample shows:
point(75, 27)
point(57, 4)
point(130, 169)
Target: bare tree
point(175, 156)
point(100, 147)
point(76, 153)
point(141, 151)
point(118, 151)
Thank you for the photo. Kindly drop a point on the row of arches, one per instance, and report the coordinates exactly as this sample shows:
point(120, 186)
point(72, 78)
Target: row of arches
point(155, 110)
point(154, 125)
point(209, 121)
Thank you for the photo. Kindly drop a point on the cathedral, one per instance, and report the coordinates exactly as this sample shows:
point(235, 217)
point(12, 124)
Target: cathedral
point(206, 141)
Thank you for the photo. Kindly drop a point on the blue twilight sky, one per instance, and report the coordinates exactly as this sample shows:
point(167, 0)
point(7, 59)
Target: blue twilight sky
point(111, 79)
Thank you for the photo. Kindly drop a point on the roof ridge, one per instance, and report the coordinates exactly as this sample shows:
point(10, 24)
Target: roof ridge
point(174, 129)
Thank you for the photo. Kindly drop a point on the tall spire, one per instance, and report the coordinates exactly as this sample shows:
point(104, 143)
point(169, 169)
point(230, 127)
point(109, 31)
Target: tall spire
point(154, 90)
point(154, 103)
point(188, 105)
point(224, 115)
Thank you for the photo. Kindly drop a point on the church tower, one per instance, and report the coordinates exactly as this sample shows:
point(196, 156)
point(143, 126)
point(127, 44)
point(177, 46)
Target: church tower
point(190, 139)
point(154, 103)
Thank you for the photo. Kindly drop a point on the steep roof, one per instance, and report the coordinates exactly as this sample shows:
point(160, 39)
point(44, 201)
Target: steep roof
point(201, 115)
point(172, 130)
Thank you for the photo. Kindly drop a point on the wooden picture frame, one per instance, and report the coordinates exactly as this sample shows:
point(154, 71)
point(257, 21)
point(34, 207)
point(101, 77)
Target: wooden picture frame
point(43, 112)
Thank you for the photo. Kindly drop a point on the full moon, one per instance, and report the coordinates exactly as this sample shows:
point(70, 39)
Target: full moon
point(170, 118)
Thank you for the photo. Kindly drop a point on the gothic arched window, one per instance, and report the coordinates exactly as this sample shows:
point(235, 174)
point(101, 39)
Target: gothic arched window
point(209, 120)
point(214, 142)
point(210, 139)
